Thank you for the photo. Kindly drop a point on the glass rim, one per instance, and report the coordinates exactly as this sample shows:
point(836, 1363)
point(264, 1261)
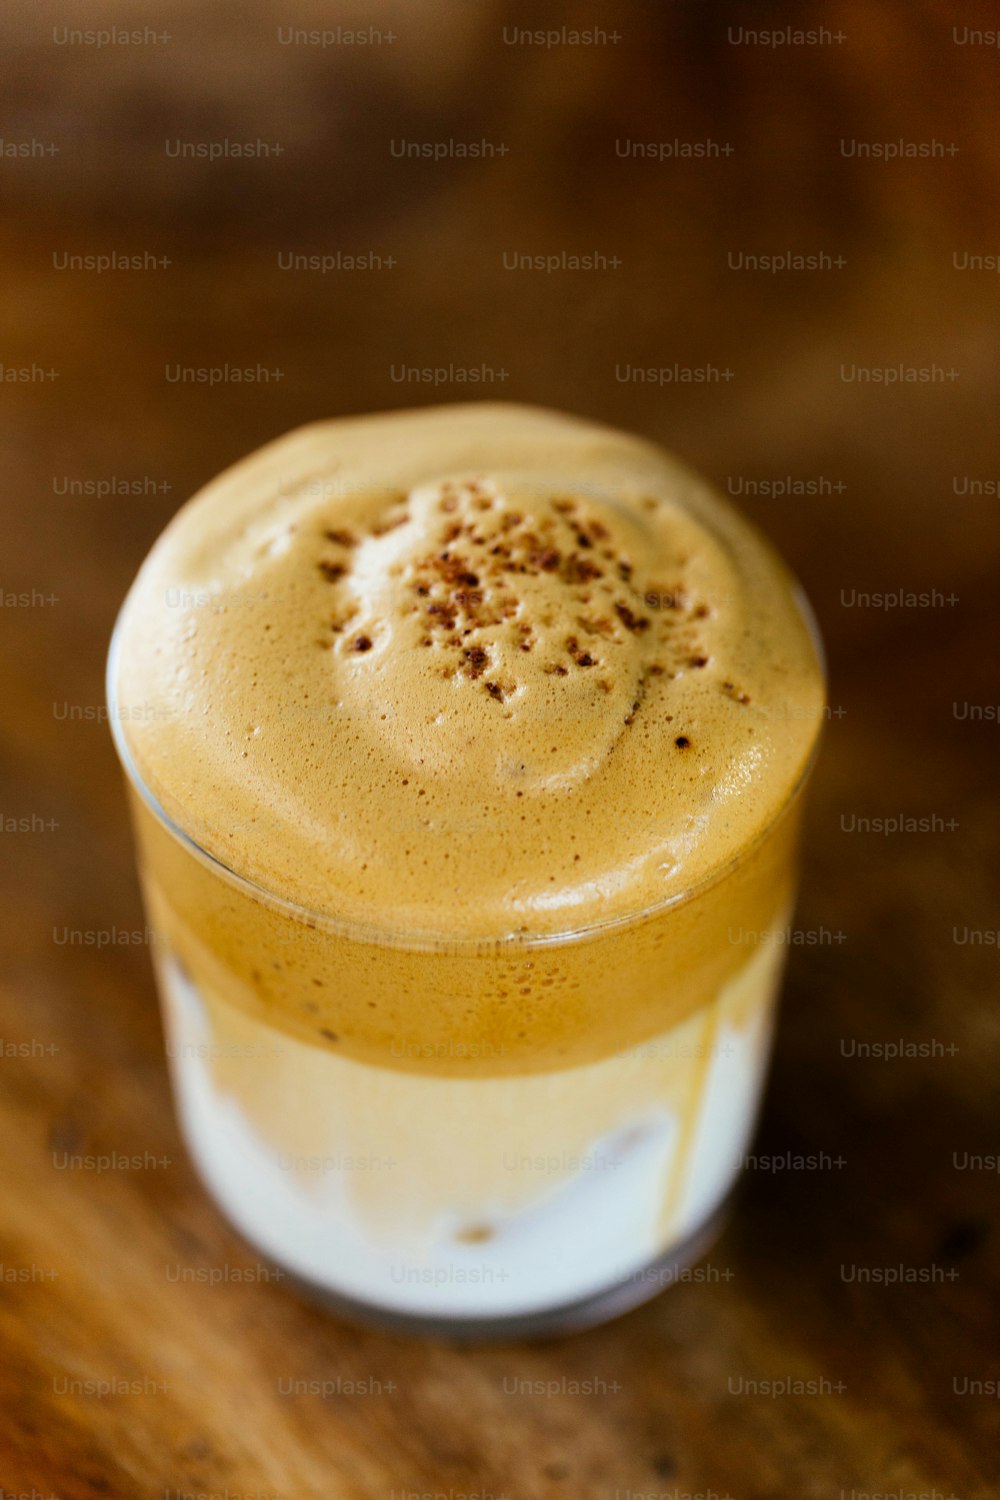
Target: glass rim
point(417, 940)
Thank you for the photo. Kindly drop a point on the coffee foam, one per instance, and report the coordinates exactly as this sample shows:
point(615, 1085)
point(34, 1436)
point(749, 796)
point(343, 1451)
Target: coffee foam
point(472, 671)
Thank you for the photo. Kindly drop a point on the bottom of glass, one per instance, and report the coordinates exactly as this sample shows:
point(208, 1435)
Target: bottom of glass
point(471, 1208)
point(570, 1317)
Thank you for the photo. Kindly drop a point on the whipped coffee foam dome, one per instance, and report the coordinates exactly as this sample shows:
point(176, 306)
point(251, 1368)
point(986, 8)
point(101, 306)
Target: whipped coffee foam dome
point(472, 670)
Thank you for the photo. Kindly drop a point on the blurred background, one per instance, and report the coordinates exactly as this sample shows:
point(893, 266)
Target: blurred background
point(333, 197)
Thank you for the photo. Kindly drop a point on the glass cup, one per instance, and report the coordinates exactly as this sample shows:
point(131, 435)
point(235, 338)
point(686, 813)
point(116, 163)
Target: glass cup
point(464, 1180)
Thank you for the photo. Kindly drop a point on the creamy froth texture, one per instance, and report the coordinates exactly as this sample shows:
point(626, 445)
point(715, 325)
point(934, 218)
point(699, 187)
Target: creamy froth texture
point(468, 671)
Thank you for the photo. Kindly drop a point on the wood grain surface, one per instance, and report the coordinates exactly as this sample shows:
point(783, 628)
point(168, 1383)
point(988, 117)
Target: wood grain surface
point(126, 1274)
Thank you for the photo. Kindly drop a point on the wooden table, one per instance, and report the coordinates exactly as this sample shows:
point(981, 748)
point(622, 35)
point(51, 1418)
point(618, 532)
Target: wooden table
point(129, 1275)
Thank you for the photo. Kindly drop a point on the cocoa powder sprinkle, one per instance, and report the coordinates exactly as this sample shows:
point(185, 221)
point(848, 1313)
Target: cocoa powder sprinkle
point(632, 622)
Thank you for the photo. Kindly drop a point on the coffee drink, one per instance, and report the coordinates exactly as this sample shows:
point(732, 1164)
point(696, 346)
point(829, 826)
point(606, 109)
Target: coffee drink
point(465, 748)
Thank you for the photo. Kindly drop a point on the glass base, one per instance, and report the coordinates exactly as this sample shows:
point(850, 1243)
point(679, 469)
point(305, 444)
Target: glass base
point(552, 1322)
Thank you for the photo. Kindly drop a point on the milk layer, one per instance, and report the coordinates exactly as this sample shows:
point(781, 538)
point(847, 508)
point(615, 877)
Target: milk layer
point(446, 1197)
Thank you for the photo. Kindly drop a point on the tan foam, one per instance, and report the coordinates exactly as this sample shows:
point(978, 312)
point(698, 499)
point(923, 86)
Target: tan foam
point(427, 672)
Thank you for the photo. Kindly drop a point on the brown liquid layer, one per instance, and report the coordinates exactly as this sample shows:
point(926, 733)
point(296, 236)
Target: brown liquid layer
point(489, 1011)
